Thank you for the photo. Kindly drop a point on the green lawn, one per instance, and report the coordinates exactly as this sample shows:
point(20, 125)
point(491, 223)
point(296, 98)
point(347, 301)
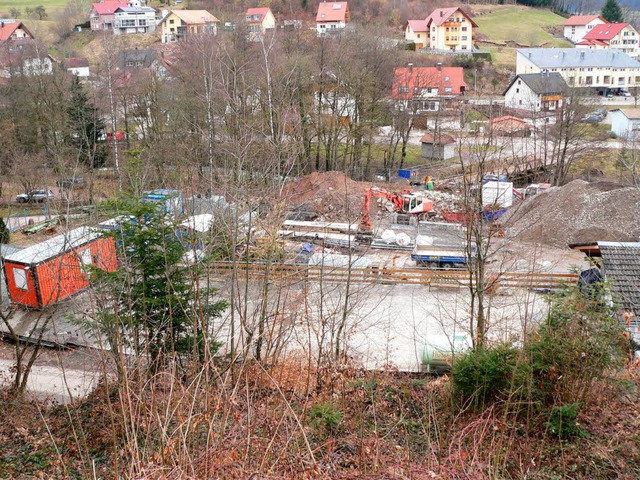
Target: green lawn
point(527, 27)
point(49, 5)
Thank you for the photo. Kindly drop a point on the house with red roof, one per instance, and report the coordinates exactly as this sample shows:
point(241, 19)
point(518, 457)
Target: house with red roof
point(576, 27)
point(102, 16)
point(258, 21)
point(332, 17)
point(12, 30)
point(451, 29)
point(416, 31)
point(427, 89)
point(616, 36)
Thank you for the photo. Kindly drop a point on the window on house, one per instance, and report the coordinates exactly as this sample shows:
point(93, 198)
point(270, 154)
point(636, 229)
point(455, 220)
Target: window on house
point(171, 22)
point(446, 79)
point(403, 89)
point(517, 90)
point(20, 278)
point(464, 38)
point(464, 29)
point(130, 63)
point(418, 35)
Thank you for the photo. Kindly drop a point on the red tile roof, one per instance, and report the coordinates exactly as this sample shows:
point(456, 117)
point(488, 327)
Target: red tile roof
point(333, 12)
point(427, 77)
point(417, 25)
point(258, 11)
point(506, 118)
point(7, 29)
point(593, 42)
point(578, 20)
point(442, 139)
point(606, 31)
point(109, 7)
point(441, 15)
point(76, 62)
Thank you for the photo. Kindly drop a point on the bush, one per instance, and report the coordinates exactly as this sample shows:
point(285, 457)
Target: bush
point(325, 418)
point(580, 342)
point(487, 374)
point(563, 423)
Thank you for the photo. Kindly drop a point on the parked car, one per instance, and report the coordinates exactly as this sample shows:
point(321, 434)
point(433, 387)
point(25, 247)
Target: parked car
point(39, 195)
point(594, 117)
point(623, 93)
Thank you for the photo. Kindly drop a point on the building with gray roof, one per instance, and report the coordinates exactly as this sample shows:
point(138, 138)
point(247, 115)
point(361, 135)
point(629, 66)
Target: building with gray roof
point(581, 67)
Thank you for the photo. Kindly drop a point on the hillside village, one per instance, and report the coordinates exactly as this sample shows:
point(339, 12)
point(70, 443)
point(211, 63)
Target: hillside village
point(301, 242)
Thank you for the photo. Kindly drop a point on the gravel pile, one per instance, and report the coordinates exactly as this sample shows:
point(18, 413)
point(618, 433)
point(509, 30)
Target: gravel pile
point(578, 212)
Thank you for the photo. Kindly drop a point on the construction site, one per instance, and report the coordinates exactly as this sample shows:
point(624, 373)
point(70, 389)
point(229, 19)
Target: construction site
point(394, 259)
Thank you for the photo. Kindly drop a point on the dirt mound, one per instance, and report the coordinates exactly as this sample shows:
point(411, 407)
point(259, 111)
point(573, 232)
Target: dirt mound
point(578, 212)
point(328, 196)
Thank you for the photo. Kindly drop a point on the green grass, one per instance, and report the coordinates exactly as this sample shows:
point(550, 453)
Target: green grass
point(527, 27)
point(50, 5)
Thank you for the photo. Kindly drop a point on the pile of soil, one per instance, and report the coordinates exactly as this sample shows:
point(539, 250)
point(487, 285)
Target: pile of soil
point(578, 212)
point(326, 196)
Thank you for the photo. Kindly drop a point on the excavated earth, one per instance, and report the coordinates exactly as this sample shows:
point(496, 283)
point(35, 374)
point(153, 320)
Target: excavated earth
point(578, 212)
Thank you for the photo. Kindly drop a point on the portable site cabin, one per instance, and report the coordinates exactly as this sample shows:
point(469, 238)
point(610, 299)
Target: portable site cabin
point(43, 274)
point(170, 202)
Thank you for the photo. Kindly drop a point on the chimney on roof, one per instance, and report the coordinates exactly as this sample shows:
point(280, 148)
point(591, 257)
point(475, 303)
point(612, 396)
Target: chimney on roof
point(582, 55)
point(410, 67)
point(441, 13)
point(439, 66)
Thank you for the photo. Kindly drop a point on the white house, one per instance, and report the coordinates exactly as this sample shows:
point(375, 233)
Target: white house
point(625, 122)
point(536, 92)
point(451, 29)
point(77, 66)
point(576, 27)
point(599, 69)
point(416, 31)
point(332, 17)
point(129, 20)
point(438, 147)
point(617, 36)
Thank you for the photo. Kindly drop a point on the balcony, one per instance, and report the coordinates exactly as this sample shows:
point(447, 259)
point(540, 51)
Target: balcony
point(452, 42)
point(452, 24)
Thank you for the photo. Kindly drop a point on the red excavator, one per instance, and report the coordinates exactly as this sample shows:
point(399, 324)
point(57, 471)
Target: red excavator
point(404, 202)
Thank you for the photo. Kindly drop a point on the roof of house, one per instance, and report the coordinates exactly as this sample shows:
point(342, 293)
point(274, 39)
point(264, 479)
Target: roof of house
point(146, 56)
point(15, 54)
point(109, 7)
point(194, 17)
point(427, 77)
point(577, 57)
point(417, 25)
point(592, 42)
point(262, 11)
point(605, 31)
point(54, 246)
point(545, 83)
point(630, 113)
point(442, 139)
point(621, 262)
point(333, 12)
point(441, 15)
point(507, 118)
point(578, 20)
point(134, 9)
point(7, 29)
point(76, 62)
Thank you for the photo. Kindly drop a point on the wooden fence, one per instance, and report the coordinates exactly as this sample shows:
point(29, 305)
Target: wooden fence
point(393, 276)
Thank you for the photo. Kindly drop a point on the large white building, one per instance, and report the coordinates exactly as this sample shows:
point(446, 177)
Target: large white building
point(134, 19)
point(599, 69)
point(576, 27)
point(616, 36)
point(536, 92)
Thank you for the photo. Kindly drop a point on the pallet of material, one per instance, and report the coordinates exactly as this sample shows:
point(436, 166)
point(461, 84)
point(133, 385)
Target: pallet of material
point(320, 226)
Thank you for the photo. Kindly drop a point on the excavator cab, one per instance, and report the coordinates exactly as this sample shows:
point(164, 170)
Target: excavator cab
point(410, 203)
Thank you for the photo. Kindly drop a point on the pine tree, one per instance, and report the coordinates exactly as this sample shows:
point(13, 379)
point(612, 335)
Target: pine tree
point(4, 232)
point(611, 12)
point(85, 126)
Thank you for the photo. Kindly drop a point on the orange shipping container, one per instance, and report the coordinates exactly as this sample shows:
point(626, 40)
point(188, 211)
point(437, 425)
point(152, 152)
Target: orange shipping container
point(50, 271)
